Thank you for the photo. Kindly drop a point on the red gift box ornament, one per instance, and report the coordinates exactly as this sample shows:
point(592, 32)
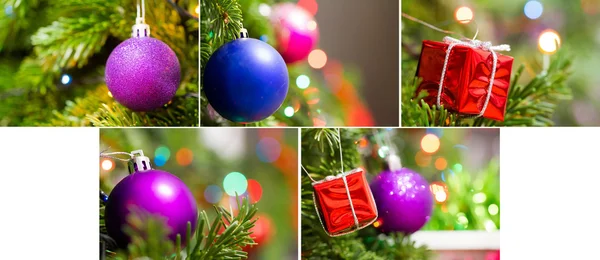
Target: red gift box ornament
point(466, 76)
point(344, 203)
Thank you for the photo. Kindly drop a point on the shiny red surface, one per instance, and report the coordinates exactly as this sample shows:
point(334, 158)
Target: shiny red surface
point(334, 207)
point(467, 78)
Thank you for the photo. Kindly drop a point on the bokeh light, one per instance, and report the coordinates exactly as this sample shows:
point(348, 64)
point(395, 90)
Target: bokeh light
point(184, 157)
point(310, 6)
point(441, 163)
point(377, 223)
point(288, 111)
point(110, 94)
point(311, 25)
point(160, 160)
point(263, 38)
point(254, 190)
point(264, 9)
point(493, 209)
point(383, 151)
point(461, 219)
point(457, 167)
point(163, 151)
point(213, 194)
point(490, 225)
point(549, 41)
point(268, 149)
point(430, 143)
point(235, 182)
point(464, 14)
point(533, 9)
point(317, 59)
point(479, 198)
point(107, 164)
point(302, 81)
point(197, 10)
point(362, 142)
point(65, 79)
point(422, 159)
point(439, 191)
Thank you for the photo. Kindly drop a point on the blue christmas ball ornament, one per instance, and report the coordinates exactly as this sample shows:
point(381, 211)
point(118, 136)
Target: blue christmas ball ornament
point(246, 80)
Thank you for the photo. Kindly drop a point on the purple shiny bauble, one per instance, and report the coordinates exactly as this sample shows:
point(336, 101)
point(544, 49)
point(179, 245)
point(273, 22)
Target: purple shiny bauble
point(296, 31)
point(142, 73)
point(155, 192)
point(404, 201)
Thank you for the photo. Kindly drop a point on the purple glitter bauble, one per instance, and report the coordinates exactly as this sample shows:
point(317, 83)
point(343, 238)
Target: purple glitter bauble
point(142, 73)
point(156, 192)
point(404, 201)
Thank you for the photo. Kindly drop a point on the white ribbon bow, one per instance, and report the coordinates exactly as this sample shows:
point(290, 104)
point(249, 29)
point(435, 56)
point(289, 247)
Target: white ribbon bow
point(475, 44)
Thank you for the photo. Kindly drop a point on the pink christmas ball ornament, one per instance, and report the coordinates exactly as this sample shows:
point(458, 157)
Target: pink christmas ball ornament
point(296, 31)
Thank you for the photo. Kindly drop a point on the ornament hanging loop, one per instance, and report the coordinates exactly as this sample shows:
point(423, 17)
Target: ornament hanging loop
point(140, 29)
point(243, 33)
point(139, 162)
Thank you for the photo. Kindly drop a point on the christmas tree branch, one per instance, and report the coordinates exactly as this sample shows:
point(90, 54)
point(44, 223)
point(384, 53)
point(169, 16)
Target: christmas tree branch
point(532, 104)
point(223, 239)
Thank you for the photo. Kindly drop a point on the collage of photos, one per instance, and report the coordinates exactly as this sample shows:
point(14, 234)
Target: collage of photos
point(299, 129)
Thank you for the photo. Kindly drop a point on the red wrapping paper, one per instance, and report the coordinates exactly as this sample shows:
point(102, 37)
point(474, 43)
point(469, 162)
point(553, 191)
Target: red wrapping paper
point(331, 200)
point(467, 79)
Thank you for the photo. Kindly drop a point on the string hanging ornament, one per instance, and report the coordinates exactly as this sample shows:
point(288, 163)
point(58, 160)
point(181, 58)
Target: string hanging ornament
point(147, 191)
point(142, 73)
point(343, 202)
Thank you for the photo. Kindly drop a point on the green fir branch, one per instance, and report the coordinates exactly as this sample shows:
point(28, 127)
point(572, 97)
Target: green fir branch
point(223, 239)
point(532, 104)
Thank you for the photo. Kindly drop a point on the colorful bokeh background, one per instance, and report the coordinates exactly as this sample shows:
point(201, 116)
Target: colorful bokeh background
point(261, 164)
point(520, 23)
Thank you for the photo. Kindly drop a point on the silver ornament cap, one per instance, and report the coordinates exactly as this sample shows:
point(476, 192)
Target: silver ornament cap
point(139, 162)
point(140, 28)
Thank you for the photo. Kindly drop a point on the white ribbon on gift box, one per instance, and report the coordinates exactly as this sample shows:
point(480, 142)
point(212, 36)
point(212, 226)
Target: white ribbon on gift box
point(475, 44)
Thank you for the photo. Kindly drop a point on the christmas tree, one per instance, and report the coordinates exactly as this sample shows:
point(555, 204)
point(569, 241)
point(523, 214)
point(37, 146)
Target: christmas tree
point(53, 56)
point(465, 190)
point(321, 90)
point(547, 86)
point(232, 174)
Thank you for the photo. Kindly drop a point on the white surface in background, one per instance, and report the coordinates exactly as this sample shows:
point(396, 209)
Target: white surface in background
point(458, 240)
point(228, 143)
point(549, 193)
point(49, 196)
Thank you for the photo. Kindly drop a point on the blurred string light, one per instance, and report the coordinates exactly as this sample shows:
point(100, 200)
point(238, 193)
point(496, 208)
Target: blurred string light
point(268, 149)
point(302, 81)
point(462, 220)
point(383, 151)
point(161, 155)
point(317, 59)
point(430, 143)
point(289, 111)
point(439, 191)
point(309, 5)
point(441, 163)
point(533, 9)
point(490, 225)
point(255, 191)
point(264, 9)
point(493, 209)
point(549, 41)
point(479, 198)
point(65, 79)
point(377, 223)
point(439, 132)
point(107, 164)
point(235, 182)
point(184, 156)
point(463, 14)
point(422, 159)
point(457, 167)
point(213, 194)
